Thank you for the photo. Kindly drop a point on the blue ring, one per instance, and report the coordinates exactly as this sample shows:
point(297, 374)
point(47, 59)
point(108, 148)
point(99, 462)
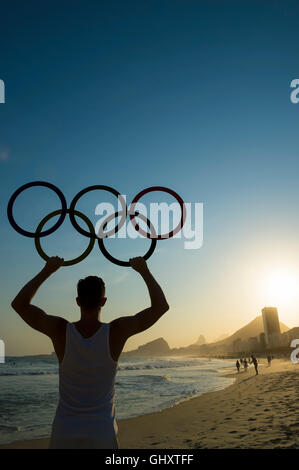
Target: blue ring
point(19, 191)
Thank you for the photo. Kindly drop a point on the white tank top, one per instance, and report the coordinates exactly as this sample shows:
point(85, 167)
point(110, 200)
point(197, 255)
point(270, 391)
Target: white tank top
point(86, 386)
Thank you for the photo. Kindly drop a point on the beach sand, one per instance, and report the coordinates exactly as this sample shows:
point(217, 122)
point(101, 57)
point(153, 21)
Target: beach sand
point(254, 412)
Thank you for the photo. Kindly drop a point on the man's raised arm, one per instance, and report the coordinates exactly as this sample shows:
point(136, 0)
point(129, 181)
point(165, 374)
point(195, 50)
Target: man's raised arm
point(143, 320)
point(32, 315)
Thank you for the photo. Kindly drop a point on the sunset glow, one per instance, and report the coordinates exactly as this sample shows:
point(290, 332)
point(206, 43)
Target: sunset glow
point(281, 288)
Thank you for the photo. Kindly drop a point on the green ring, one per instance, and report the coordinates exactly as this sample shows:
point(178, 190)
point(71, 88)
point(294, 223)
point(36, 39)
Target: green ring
point(72, 261)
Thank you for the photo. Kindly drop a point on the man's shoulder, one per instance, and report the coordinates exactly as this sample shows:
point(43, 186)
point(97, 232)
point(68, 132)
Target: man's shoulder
point(119, 326)
point(117, 323)
point(60, 326)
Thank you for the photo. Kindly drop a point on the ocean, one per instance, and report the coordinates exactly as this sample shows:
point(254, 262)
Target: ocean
point(29, 389)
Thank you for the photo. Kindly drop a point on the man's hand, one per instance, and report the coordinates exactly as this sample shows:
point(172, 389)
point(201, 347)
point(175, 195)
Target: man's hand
point(53, 264)
point(139, 264)
point(32, 315)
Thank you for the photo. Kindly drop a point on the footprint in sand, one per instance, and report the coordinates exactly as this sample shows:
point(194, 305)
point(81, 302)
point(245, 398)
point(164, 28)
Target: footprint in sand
point(198, 446)
point(274, 441)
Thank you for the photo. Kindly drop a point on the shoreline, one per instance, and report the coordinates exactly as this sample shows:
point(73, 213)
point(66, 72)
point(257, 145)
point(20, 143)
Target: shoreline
point(253, 412)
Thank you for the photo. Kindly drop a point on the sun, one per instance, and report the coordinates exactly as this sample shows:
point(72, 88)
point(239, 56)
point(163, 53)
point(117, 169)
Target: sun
point(281, 288)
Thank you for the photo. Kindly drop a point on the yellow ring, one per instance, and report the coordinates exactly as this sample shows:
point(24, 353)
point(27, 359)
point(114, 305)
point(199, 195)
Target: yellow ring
point(72, 261)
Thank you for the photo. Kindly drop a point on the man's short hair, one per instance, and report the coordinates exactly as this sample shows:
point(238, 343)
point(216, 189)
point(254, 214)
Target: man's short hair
point(91, 291)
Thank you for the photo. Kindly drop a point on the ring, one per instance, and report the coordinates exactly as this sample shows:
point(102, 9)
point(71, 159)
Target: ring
point(75, 260)
point(19, 191)
point(166, 190)
point(92, 188)
point(127, 263)
point(91, 234)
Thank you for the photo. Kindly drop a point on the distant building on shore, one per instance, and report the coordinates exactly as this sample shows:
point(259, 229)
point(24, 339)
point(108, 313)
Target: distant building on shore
point(271, 326)
point(253, 343)
point(288, 336)
point(262, 340)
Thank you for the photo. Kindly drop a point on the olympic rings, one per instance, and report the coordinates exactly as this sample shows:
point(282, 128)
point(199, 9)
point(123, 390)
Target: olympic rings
point(166, 190)
point(127, 263)
point(19, 191)
point(92, 188)
point(75, 260)
point(91, 234)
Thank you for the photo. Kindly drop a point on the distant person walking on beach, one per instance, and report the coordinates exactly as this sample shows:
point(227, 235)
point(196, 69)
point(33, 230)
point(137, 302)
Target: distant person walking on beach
point(88, 352)
point(255, 363)
point(269, 358)
point(238, 365)
point(245, 364)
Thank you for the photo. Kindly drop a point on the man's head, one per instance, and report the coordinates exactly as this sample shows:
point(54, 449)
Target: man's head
point(91, 293)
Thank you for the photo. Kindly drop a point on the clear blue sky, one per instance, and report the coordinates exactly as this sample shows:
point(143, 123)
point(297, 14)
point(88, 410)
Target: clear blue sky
point(193, 95)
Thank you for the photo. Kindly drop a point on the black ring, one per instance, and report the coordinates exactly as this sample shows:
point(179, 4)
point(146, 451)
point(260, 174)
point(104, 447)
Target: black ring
point(92, 188)
point(166, 190)
point(127, 263)
point(29, 185)
point(71, 262)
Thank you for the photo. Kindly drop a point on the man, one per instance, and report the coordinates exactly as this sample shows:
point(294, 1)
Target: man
point(269, 358)
point(88, 351)
point(255, 363)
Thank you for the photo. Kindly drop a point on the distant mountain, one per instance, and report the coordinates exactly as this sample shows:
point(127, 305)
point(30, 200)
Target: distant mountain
point(220, 338)
point(159, 347)
point(201, 340)
point(254, 328)
point(153, 348)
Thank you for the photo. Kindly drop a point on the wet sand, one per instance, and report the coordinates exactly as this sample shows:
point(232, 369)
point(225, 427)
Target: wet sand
point(255, 412)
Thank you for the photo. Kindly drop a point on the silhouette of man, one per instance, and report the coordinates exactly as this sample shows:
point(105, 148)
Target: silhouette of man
point(238, 365)
point(255, 363)
point(269, 358)
point(88, 352)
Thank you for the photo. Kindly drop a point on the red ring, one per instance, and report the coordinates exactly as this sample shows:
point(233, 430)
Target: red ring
point(131, 212)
